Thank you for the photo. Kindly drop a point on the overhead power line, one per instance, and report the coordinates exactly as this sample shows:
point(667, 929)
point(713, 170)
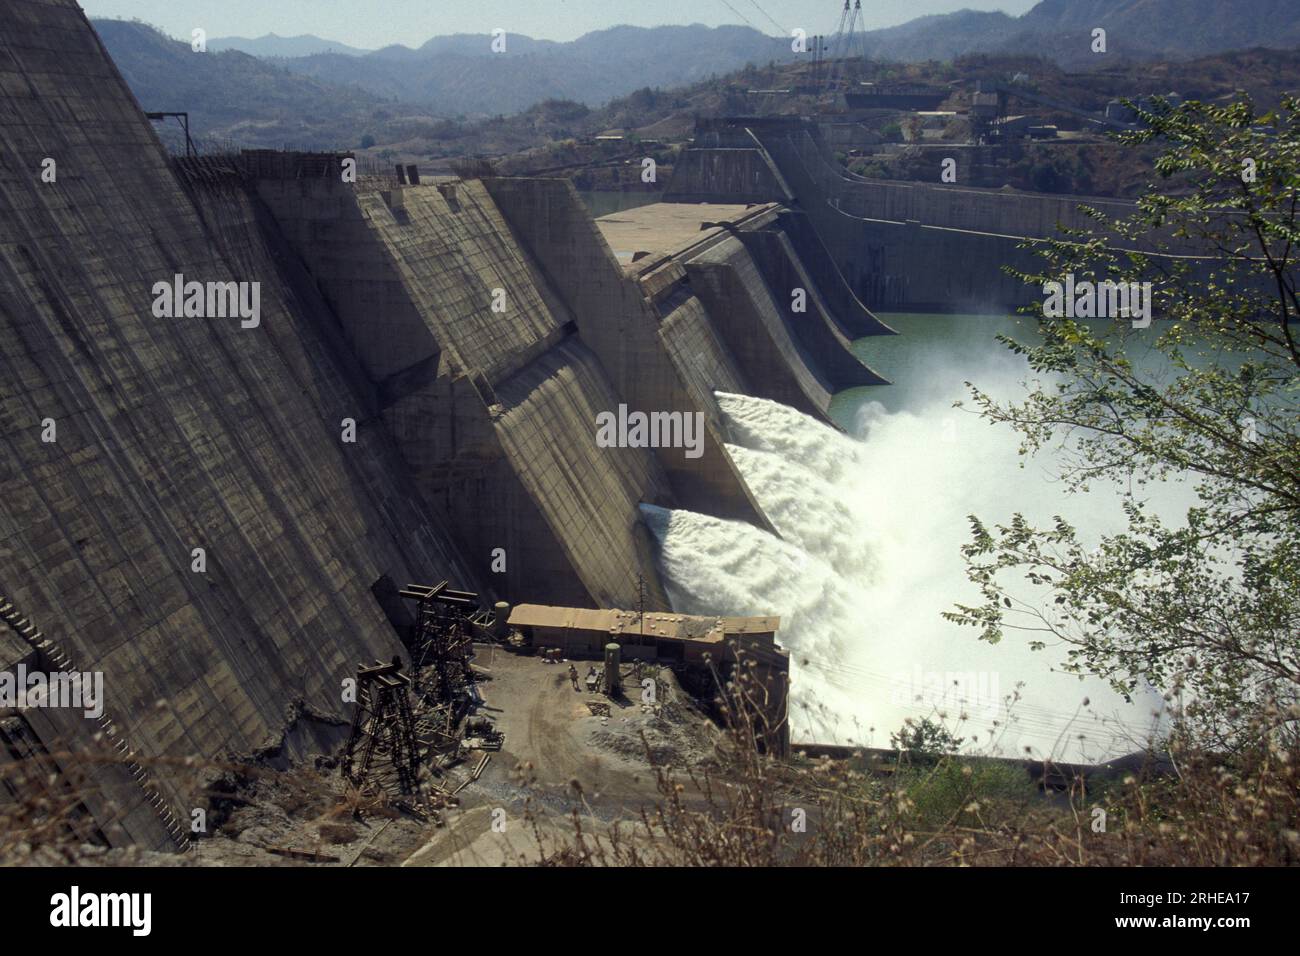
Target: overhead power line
point(784, 31)
point(738, 13)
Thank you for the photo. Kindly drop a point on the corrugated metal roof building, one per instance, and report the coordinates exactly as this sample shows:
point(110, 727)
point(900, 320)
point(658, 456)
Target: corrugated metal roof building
point(661, 636)
point(682, 639)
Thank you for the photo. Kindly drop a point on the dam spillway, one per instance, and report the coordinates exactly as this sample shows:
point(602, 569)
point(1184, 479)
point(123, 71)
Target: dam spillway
point(211, 513)
point(864, 559)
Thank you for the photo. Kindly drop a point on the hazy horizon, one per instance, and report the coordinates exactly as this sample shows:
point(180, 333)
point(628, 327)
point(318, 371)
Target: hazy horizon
point(412, 22)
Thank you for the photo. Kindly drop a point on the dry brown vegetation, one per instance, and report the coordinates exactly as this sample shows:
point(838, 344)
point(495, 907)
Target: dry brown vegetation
point(748, 809)
point(45, 815)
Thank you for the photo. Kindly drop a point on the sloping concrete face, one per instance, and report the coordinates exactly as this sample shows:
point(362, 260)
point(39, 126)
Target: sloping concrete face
point(481, 298)
point(323, 222)
point(588, 494)
point(755, 328)
point(808, 317)
point(622, 328)
point(699, 356)
point(727, 175)
point(851, 316)
point(418, 272)
point(762, 301)
point(495, 409)
point(173, 434)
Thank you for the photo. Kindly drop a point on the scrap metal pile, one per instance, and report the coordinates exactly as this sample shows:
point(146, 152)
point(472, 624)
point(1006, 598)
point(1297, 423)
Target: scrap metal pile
point(410, 728)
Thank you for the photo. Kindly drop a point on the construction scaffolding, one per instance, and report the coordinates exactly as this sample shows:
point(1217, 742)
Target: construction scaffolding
point(447, 622)
point(442, 642)
point(382, 749)
point(411, 727)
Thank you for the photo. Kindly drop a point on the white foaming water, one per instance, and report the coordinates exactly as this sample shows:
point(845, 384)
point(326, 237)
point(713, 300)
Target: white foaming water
point(867, 560)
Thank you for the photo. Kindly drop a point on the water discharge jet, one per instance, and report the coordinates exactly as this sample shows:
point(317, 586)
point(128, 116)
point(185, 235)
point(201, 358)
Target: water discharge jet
point(866, 561)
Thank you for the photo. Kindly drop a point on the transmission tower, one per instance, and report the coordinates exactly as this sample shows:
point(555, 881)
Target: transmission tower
point(848, 43)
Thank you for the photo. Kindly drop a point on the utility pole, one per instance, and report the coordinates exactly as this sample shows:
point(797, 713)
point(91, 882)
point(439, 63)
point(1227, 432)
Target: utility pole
point(640, 600)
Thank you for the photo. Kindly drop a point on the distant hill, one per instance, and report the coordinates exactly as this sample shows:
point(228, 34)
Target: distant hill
point(461, 73)
point(426, 101)
point(233, 95)
point(1174, 27)
point(272, 45)
point(1062, 30)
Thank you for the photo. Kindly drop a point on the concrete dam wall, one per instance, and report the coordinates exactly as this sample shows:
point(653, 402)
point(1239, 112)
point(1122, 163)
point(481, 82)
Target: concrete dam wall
point(741, 268)
point(474, 356)
point(131, 441)
point(899, 246)
point(211, 510)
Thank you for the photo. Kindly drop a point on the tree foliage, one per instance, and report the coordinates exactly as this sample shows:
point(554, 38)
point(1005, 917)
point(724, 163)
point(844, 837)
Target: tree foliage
point(1205, 607)
point(924, 739)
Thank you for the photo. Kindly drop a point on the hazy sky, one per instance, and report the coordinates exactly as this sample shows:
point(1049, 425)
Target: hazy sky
point(376, 23)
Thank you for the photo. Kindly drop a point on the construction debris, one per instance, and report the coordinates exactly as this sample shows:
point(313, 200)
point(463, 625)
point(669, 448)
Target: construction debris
point(309, 855)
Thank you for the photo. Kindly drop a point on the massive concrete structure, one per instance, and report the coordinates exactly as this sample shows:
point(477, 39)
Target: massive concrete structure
point(899, 245)
point(775, 332)
point(178, 510)
point(212, 509)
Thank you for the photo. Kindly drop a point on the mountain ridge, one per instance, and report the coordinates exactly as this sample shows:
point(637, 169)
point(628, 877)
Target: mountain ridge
point(459, 74)
point(273, 45)
point(400, 93)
